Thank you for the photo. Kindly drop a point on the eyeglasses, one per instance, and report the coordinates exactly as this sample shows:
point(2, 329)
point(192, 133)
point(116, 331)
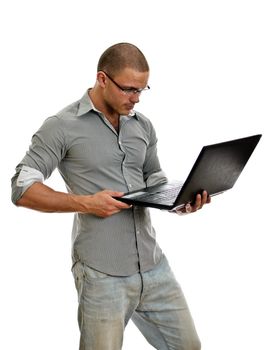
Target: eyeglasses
point(130, 90)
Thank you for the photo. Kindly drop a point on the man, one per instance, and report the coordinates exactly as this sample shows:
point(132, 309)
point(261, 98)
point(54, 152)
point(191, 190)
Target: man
point(103, 148)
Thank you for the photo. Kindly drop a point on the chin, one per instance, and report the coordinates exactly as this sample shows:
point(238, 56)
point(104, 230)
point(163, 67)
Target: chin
point(129, 109)
point(125, 111)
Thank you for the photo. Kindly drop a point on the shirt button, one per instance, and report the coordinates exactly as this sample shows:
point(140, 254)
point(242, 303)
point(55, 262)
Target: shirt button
point(130, 186)
point(138, 232)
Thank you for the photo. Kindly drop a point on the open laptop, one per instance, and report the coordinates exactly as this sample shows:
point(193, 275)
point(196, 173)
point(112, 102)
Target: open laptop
point(215, 170)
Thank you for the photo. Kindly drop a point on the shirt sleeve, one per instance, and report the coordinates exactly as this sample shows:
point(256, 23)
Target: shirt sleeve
point(153, 174)
point(46, 151)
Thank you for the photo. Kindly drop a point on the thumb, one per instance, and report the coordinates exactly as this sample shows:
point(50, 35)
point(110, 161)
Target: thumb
point(114, 193)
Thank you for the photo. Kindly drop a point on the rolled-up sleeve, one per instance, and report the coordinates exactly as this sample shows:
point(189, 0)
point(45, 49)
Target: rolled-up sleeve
point(45, 153)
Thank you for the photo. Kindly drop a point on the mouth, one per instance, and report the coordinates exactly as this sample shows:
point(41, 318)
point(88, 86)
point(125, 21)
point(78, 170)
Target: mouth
point(129, 107)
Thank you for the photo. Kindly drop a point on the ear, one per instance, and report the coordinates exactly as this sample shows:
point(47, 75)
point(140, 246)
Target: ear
point(101, 79)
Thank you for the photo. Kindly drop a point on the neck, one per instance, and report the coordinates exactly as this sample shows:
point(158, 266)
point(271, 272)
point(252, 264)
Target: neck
point(98, 102)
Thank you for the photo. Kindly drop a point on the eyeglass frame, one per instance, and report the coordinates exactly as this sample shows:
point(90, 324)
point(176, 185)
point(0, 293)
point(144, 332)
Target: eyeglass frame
point(127, 91)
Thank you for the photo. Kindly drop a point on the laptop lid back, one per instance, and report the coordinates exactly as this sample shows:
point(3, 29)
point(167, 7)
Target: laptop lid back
point(217, 168)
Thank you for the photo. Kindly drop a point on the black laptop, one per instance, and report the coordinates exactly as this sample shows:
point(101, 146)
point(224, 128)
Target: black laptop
point(215, 170)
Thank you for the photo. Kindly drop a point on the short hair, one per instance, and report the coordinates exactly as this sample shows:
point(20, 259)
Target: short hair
point(120, 56)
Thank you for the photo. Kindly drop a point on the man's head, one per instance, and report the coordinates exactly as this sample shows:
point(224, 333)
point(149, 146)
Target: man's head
point(120, 56)
point(122, 74)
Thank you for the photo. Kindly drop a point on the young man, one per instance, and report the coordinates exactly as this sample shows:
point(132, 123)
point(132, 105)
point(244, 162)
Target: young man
point(103, 148)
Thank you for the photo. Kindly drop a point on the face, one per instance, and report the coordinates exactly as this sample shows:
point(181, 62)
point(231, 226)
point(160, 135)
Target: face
point(115, 99)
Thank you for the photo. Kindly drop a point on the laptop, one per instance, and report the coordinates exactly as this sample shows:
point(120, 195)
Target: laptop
point(215, 170)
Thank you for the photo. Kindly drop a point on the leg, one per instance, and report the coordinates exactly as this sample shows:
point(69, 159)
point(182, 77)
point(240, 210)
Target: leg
point(163, 316)
point(106, 304)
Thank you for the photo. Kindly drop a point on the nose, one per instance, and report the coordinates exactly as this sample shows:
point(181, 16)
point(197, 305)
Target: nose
point(134, 98)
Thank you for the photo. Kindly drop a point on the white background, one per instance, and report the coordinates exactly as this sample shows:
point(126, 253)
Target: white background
point(211, 80)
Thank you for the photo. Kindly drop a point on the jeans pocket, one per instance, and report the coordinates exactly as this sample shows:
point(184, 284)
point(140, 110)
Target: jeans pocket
point(92, 275)
point(78, 274)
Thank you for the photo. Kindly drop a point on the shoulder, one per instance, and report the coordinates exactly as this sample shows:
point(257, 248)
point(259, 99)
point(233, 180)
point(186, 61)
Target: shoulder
point(69, 112)
point(143, 120)
point(61, 121)
point(146, 124)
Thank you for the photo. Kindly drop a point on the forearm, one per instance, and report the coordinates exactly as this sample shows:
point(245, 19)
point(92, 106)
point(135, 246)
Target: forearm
point(43, 198)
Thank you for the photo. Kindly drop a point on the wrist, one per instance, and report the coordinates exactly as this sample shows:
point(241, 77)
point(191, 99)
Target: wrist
point(81, 203)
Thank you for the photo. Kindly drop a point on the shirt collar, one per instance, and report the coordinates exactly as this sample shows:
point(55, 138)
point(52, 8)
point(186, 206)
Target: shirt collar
point(86, 105)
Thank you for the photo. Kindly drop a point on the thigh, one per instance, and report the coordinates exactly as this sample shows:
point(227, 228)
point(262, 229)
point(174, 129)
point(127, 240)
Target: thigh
point(163, 315)
point(104, 308)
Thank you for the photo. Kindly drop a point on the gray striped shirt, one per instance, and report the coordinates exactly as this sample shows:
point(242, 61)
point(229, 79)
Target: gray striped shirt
point(91, 156)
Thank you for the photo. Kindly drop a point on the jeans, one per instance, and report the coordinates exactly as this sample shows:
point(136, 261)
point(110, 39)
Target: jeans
point(153, 300)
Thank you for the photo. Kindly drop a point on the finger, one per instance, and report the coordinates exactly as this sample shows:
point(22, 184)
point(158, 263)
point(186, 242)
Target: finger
point(204, 198)
point(119, 204)
point(122, 205)
point(114, 193)
point(115, 203)
point(188, 208)
point(114, 209)
point(198, 202)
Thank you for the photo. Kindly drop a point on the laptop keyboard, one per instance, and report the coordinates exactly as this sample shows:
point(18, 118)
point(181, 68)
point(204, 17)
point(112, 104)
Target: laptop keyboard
point(168, 195)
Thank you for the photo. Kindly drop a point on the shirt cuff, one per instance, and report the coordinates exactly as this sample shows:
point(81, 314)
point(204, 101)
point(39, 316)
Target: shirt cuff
point(156, 179)
point(27, 177)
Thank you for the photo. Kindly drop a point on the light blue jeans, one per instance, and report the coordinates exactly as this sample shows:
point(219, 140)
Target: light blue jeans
point(153, 300)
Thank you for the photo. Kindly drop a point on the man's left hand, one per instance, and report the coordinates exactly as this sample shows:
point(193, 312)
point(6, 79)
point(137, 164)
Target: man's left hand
point(200, 200)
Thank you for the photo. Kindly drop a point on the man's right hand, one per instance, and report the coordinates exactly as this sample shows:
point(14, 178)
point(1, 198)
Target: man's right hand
point(103, 204)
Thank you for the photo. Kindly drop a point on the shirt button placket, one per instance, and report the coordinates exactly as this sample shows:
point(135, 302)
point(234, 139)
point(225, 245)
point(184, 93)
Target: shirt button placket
point(126, 174)
point(137, 221)
point(138, 235)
